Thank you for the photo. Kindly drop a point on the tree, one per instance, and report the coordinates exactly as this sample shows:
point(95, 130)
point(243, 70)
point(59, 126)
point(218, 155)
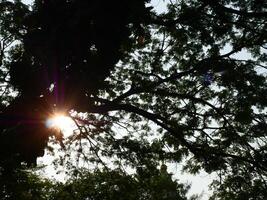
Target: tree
point(175, 77)
point(118, 185)
point(24, 185)
point(114, 184)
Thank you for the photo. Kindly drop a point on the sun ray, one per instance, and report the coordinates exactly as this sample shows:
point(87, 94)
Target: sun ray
point(61, 122)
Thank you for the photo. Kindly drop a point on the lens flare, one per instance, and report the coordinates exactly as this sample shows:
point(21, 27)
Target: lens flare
point(63, 123)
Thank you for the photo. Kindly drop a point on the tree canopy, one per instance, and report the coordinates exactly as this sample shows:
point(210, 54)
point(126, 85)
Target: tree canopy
point(144, 88)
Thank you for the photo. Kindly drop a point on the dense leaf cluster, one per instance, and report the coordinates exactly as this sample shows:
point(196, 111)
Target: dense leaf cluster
point(147, 184)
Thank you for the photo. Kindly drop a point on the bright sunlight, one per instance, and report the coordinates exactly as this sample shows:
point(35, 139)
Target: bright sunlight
point(61, 122)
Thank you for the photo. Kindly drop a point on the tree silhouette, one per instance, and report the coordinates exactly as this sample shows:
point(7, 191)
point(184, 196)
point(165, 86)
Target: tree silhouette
point(180, 77)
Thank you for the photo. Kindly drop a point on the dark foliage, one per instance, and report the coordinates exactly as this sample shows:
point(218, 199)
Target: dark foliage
point(72, 46)
point(189, 84)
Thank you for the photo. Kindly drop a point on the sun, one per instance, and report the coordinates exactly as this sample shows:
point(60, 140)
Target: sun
point(62, 122)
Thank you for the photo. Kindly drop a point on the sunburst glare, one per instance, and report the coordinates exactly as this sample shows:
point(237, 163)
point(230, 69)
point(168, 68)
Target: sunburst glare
point(63, 123)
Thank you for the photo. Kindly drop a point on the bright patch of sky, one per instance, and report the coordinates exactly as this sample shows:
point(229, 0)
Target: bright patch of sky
point(159, 5)
point(28, 2)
